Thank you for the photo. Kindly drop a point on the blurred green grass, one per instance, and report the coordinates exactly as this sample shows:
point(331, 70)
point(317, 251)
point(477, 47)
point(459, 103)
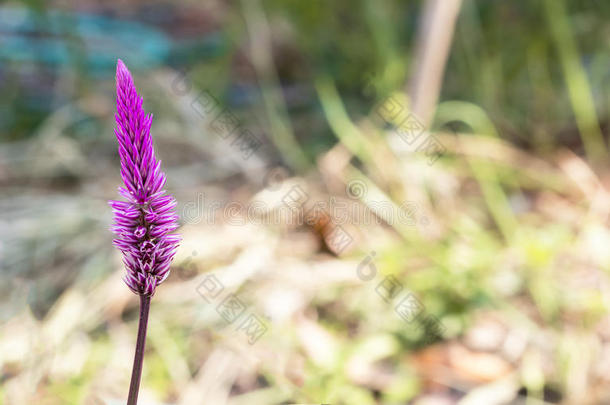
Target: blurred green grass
point(517, 210)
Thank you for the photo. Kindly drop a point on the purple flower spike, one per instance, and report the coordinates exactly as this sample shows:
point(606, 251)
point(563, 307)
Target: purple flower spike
point(143, 223)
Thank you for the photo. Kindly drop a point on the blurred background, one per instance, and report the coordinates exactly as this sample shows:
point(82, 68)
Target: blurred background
point(393, 202)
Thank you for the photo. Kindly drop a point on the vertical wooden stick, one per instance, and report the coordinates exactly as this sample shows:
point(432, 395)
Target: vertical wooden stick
point(433, 44)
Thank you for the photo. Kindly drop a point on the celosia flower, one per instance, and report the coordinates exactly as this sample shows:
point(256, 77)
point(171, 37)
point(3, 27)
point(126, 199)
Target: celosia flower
point(143, 223)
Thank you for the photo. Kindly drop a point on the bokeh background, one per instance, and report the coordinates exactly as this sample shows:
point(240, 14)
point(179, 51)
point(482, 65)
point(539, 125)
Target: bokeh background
point(390, 202)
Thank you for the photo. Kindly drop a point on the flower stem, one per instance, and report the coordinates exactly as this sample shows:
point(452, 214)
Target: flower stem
point(138, 359)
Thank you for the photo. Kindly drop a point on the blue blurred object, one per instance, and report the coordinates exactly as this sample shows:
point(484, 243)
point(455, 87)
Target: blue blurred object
point(57, 38)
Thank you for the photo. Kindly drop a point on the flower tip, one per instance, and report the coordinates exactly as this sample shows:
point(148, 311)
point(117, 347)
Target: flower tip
point(121, 71)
